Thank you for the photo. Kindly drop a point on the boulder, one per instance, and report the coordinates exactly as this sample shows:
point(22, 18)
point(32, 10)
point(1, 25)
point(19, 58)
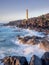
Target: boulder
point(35, 60)
point(45, 59)
point(14, 60)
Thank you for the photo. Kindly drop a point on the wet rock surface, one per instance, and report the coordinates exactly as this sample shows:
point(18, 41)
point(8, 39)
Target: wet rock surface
point(20, 60)
point(45, 59)
point(14, 60)
point(34, 40)
point(35, 60)
point(30, 40)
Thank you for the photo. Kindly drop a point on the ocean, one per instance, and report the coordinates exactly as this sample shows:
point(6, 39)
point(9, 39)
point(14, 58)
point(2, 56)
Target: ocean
point(10, 45)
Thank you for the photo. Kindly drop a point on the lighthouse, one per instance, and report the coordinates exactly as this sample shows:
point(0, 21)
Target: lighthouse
point(26, 14)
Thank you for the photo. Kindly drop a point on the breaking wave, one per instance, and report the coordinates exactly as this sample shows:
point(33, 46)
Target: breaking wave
point(10, 45)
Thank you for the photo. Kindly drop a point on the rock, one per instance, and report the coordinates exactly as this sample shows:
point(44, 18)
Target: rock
point(44, 44)
point(14, 60)
point(35, 60)
point(29, 40)
point(45, 59)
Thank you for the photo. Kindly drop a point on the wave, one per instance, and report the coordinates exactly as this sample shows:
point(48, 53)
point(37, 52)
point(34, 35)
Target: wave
point(28, 50)
point(16, 48)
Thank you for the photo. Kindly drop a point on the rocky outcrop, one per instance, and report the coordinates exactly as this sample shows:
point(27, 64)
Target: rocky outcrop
point(44, 44)
point(14, 60)
point(40, 23)
point(45, 59)
point(20, 60)
point(35, 60)
point(30, 40)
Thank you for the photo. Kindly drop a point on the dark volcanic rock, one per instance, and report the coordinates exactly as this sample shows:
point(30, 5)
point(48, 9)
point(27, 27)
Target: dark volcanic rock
point(45, 59)
point(14, 60)
point(44, 44)
point(35, 61)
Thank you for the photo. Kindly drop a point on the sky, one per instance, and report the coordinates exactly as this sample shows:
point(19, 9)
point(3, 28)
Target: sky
point(16, 9)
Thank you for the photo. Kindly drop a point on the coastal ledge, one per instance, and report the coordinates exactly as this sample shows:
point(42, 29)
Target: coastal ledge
point(20, 60)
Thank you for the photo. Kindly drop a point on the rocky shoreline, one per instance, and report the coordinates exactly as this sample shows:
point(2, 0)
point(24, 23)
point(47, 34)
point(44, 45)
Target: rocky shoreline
point(20, 60)
point(35, 60)
point(40, 23)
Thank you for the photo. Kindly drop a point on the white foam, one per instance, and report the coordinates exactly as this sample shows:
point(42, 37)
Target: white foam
point(29, 50)
point(23, 49)
point(34, 33)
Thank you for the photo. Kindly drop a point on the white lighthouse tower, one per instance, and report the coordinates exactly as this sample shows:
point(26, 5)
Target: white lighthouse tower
point(26, 14)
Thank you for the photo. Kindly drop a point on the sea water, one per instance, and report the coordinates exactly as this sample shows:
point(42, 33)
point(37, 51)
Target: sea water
point(10, 45)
